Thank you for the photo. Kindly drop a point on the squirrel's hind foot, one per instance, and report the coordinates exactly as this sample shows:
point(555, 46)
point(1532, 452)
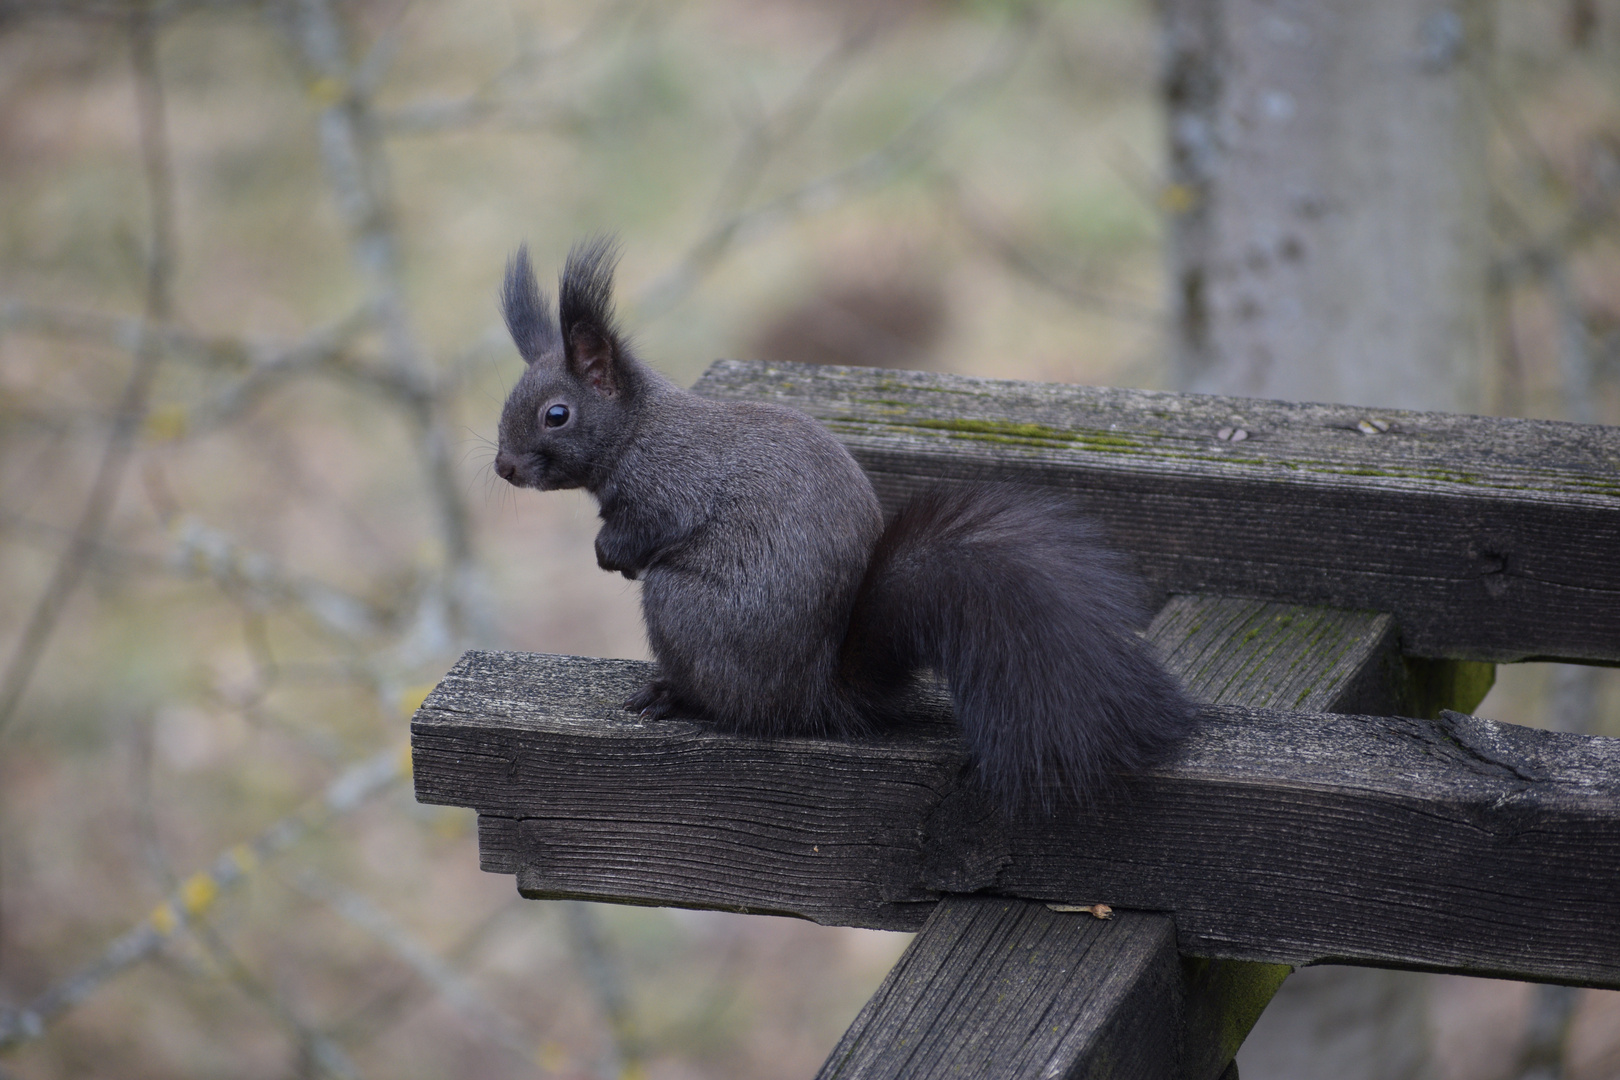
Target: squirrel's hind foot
point(655, 701)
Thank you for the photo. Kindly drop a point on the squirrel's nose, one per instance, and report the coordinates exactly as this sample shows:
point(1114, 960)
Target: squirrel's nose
point(505, 468)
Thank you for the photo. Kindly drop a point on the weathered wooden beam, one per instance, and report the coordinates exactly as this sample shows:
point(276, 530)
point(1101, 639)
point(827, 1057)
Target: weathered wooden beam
point(1487, 539)
point(1008, 988)
point(1004, 988)
point(1457, 844)
point(1089, 1024)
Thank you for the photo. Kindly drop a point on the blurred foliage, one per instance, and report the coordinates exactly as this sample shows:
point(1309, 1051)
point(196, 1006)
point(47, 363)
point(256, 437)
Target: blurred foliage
point(305, 241)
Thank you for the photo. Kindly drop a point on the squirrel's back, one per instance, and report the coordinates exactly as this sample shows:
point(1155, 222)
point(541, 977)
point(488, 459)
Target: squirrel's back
point(749, 613)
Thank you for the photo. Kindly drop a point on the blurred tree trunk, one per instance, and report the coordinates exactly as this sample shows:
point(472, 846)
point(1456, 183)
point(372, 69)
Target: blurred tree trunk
point(1328, 163)
point(1330, 243)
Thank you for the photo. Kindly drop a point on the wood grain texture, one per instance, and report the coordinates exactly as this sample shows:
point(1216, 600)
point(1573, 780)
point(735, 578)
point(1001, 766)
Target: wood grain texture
point(1487, 539)
point(1454, 845)
point(1231, 651)
point(1108, 1017)
point(995, 989)
point(1225, 650)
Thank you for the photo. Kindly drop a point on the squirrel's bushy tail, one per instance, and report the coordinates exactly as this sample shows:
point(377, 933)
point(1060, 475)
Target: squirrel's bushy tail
point(1009, 594)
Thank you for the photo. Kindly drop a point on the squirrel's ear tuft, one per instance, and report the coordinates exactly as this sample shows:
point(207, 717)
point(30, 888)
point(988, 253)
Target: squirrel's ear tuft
point(527, 312)
point(592, 345)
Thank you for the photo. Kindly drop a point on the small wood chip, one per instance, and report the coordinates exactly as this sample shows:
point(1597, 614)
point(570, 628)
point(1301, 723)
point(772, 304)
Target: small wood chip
point(1098, 911)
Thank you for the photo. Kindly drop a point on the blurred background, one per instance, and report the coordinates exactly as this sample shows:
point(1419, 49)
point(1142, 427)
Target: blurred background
point(250, 370)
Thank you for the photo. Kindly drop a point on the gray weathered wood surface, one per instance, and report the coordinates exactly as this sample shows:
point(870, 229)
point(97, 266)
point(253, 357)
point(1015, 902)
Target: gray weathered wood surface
point(1227, 651)
point(1003, 988)
point(1455, 845)
point(1487, 539)
point(998, 988)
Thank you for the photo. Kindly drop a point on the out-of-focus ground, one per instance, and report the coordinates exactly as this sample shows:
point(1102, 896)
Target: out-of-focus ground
point(972, 187)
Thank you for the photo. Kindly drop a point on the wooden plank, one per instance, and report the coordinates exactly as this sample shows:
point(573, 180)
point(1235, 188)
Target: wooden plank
point(1223, 999)
point(1224, 650)
point(1453, 845)
point(1011, 988)
point(1002, 988)
point(1487, 539)
point(1231, 651)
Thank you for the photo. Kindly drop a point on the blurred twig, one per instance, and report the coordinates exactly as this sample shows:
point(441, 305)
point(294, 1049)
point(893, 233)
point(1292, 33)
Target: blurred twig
point(438, 973)
point(357, 170)
point(1552, 1010)
point(906, 149)
point(208, 552)
point(316, 1048)
point(771, 132)
point(496, 102)
point(46, 535)
point(199, 550)
point(1040, 268)
point(373, 1017)
point(602, 972)
point(198, 893)
point(132, 406)
point(264, 365)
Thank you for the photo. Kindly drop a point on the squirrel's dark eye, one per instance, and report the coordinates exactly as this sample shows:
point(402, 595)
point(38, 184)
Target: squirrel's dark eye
point(557, 416)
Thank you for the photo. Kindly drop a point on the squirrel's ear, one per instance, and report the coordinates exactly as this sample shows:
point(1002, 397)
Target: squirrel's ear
point(528, 315)
point(593, 358)
point(592, 347)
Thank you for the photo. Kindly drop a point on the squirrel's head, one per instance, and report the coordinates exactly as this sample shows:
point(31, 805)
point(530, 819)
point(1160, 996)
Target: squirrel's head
point(568, 413)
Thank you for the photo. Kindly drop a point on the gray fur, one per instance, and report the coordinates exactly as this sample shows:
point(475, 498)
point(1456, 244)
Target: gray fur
point(776, 600)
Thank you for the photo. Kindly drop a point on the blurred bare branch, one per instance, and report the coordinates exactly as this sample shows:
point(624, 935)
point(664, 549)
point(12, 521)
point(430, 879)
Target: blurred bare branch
point(906, 149)
point(316, 1049)
point(770, 133)
point(265, 365)
point(1043, 268)
point(506, 100)
point(376, 1015)
point(178, 343)
point(132, 405)
point(199, 550)
point(209, 552)
point(43, 534)
point(438, 973)
point(601, 970)
point(314, 1046)
point(199, 892)
point(1552, 1010)
point(357, 171)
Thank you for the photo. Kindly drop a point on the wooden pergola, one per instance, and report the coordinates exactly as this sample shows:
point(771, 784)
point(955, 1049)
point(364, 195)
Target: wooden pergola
point(1334, 581)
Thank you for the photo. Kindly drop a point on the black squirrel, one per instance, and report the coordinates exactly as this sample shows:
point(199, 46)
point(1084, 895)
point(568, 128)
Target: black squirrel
point(778, 602)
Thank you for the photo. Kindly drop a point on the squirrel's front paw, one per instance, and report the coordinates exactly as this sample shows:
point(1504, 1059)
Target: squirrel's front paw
point(655, 701)
point(614, 563)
